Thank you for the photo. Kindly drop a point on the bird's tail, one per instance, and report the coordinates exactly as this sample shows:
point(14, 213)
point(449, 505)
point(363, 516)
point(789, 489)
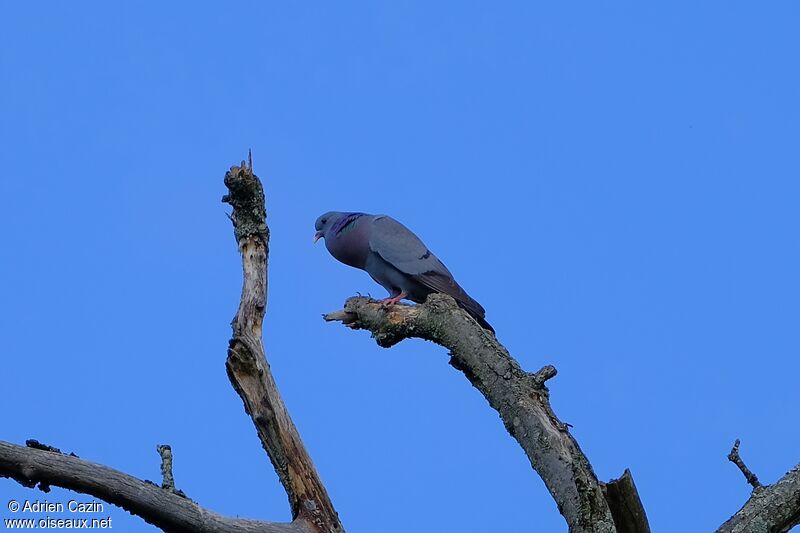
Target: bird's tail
point(446, 284)
point(482, 321)
point(473, 312)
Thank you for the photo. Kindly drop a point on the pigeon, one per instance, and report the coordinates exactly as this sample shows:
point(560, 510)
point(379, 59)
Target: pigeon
point(394, 257)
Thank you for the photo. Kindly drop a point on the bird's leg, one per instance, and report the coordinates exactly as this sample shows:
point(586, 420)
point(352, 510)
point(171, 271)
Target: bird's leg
point(393, 299)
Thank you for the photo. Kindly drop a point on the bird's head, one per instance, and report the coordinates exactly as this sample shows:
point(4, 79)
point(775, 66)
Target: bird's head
point(325, 222)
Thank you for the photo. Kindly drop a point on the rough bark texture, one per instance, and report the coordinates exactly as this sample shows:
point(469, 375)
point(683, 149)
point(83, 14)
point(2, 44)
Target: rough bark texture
point(247, 365)
point(521, 398)
point(167, 479)
point(625, 504)
point(771, 509)
point(161, 507)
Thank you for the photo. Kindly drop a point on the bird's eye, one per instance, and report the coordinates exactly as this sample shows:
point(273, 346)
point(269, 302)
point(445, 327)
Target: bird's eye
point(324, 220)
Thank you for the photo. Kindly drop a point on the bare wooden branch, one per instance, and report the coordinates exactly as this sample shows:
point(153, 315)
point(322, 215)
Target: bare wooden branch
point(770, 509)
point(250, 375)
point(32, 466)
point(736, 459)
point(625, 504)
point(521, 398)
point(247, 365)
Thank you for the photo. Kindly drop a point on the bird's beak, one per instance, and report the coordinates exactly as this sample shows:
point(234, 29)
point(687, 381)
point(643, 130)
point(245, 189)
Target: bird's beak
point(317, 236)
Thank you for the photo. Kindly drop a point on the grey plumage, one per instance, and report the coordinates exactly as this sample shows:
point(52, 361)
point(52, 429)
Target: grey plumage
point(393, 256)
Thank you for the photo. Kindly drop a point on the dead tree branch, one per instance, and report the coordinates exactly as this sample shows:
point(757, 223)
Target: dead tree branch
point(249, 372)
point(163, 508)
point(770, 509)
point(626, 507)
point(521, 398)
point(247, 365)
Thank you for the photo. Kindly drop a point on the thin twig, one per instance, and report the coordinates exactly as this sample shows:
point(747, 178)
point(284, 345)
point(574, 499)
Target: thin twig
point(168, 481)
point(736, 459)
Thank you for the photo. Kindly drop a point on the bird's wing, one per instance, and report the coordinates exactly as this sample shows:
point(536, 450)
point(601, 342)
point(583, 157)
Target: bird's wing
point(398, 246)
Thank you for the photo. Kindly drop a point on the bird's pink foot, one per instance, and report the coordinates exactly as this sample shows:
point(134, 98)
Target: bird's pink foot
point(393, 299)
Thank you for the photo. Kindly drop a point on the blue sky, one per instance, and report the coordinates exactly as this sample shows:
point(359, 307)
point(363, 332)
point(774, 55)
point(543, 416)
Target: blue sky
point(616, 184)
